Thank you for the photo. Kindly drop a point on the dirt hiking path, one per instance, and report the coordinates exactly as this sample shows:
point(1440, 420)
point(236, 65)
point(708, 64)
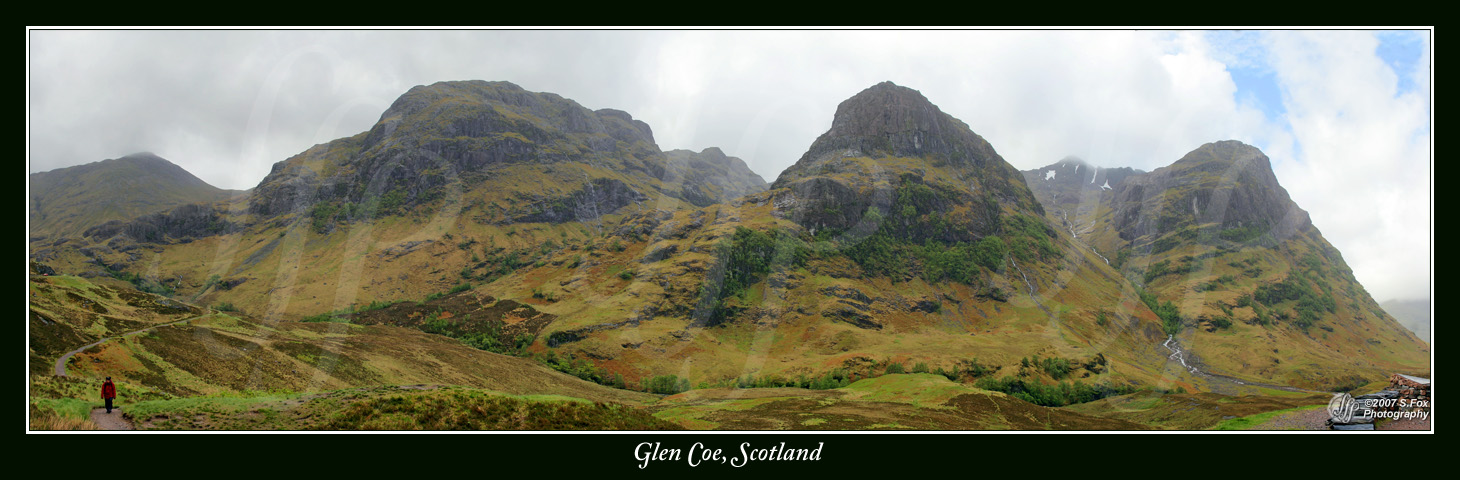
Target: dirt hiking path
point(61, 362)
point(110, 421)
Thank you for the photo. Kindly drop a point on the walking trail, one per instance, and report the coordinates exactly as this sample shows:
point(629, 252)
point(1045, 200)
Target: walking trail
point(61, 362)
point(110, 421)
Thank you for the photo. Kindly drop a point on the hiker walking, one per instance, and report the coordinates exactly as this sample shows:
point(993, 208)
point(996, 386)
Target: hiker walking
point(109, 392)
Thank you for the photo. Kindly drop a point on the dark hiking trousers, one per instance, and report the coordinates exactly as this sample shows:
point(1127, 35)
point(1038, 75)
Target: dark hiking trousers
point(108, 405)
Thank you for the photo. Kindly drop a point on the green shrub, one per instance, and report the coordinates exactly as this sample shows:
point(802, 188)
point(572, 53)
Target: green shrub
point(1057, 368)
point(743, 259)
point(1121, 256)
point(392, 200)
point(1310, 305)
point(1244, 234)
point(666, 385)
point(1222, 322)
point(140, 282)
point(326, 317)
point(322, 216)
point(1167, 311)
point(1058, 395)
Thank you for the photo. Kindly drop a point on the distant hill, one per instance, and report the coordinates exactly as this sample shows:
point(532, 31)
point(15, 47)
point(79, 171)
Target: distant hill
point(67, 201)
point(710, 177)
point(1413, 314)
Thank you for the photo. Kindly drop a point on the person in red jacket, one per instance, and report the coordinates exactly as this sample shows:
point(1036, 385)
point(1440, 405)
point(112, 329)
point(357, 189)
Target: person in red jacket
point(109, 392)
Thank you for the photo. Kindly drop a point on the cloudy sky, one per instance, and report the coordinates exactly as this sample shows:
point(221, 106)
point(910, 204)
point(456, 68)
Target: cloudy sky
point(1344, 115)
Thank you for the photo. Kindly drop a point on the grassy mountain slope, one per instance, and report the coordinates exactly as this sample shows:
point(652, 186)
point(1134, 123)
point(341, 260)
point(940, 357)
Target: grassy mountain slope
point(1192, 411)
point(405, 407)
point(1255, 290)
point(229, 371)
point(892, 402)
point(67, 201)
point(228, 352)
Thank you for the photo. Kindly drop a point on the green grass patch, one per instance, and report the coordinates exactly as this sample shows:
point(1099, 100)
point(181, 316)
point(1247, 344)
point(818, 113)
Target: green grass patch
point(919, 389)
point(1251, 421)
point(67, 407)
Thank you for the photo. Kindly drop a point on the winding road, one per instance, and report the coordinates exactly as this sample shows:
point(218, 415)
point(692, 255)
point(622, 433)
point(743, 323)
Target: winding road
point(61, 362)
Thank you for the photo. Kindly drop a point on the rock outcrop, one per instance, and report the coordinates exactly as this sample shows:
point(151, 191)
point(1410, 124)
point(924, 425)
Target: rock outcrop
point(433, 135)
point(181, 224)
point(1227, 184)
point(888, 147)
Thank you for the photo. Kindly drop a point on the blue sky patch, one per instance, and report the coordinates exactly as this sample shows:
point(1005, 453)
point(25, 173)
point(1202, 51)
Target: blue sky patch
point(1258, 88)
point(1245, 54)
point(1402, 50)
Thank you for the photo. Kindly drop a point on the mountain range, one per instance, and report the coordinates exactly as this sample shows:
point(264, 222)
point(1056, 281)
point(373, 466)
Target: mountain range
point(901, 240)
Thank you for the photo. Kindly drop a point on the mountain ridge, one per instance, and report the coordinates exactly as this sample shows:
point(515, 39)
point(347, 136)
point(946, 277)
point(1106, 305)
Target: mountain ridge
point(1253, 285)
point(67, 201)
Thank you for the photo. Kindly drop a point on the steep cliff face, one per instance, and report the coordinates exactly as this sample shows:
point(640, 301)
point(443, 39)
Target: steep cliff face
point(1071, 182)
point(896, 121)
point(889, 144)
point(442, 133)
point(571, 163)
point(183, 223)
point(1221, 186)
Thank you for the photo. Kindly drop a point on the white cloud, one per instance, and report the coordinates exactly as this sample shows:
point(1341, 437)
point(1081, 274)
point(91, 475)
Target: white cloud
point(1363, 167)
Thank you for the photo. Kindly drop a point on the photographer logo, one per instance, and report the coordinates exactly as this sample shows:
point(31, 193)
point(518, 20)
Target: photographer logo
point(1341, 408)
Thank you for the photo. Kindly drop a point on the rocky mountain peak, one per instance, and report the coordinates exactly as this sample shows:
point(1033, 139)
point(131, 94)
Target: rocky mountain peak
point(1224, 152)
point(457, 126)
point(889, 120)
point(889, 142)
point(1228, 184)
point(884, 109)
point(478, 109)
